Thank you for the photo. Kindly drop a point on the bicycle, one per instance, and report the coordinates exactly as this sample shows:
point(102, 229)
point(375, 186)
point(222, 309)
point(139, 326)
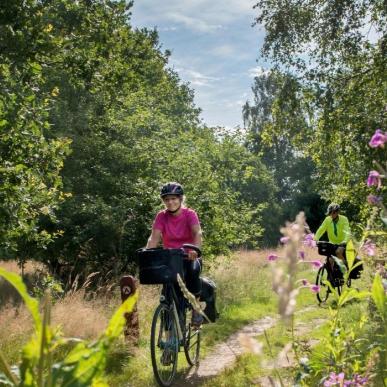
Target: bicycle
point(171, 330)
point(329, 275)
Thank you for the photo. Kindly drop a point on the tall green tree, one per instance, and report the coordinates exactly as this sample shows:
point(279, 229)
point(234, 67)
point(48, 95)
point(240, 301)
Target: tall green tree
point(30, 164)
point(337, 50)
point(276, 111)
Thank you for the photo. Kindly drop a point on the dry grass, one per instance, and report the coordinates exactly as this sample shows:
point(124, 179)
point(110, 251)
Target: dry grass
point(81, 318)
point(238, 278)
point(30, 267)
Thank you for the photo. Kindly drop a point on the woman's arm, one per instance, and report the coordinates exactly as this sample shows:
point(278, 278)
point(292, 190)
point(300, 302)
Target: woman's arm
point(197, 241)
point(197, 234)
point(154, 239)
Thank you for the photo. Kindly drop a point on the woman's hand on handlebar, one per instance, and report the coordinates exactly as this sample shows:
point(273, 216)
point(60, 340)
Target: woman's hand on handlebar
point(192, 251)
point(192, 255)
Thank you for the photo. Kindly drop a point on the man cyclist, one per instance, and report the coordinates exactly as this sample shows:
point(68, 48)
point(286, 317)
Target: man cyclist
point(175, 226)
point(337, 228)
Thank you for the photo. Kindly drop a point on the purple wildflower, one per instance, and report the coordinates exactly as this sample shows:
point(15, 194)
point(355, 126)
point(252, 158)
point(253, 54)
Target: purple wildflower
point(369, 248)
point(334, 379)
point(356, 381)
point(315, 288)
point(302, 254)
point(284, 239)
point(305, 282)
point(317, 264)
point(374, 200)
point(272, 257)
point(309, 240)
point(378, 139)
point(374, 178)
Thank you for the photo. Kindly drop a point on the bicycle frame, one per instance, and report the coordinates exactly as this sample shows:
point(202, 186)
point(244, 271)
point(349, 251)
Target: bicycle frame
point(178, 305)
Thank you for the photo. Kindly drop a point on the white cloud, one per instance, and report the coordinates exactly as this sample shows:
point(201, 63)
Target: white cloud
point(193, 23)
point(224, 50)
point(198, 15)
point(258, 71)
point(198, 79)
point(167, 29)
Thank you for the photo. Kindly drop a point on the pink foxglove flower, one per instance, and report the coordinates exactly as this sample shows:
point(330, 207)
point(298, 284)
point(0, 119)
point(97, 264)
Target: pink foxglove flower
point(356, 381)
point(374, 178)
point(284, 239)
point(309, 240)
point(378, 139)
point(374, 200)
point(315, 288)
point(334, 379)
point(369, 248)
point(317, 264)
point(272, 257)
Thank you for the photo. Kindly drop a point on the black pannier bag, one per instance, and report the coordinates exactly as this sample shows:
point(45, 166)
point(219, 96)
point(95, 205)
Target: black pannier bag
point(208, 295)
point(356, 272)
point(159, 266)
point(326, 248)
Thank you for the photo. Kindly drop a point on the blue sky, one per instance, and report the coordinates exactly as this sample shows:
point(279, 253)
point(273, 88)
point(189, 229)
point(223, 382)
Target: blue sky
point(213, 47)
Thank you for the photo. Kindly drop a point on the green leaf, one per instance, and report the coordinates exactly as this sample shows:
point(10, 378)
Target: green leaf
point(378, 295)
point(350, 294)
point(4, 381)
point(7, 378)
point(350, 254)
point(36, 67)
point(31, 303)
point(117, 322)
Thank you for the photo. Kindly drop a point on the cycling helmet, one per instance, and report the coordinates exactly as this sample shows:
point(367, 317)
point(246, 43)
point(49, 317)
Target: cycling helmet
point(333, 207)
point(172, 188)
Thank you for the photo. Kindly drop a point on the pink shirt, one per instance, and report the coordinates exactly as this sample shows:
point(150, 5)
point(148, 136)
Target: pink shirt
point(176, 230)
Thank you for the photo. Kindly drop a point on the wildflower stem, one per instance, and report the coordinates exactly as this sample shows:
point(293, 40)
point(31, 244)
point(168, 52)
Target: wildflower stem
point(7, 370)
point(44, 339)
point(272, 356)
point(294, 341)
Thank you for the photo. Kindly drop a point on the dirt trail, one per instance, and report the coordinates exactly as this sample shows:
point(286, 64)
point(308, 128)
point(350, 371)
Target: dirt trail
point(225, 354)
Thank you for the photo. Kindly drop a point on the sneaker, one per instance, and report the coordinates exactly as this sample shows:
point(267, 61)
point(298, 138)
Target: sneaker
point(197, 319)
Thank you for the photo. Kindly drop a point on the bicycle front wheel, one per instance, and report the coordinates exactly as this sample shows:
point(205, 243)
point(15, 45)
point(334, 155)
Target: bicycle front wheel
point(192, 344)
point(322, 282)
point(164, 345)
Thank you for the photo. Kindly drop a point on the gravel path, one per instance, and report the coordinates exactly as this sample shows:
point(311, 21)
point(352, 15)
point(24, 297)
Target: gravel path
point(225, 354)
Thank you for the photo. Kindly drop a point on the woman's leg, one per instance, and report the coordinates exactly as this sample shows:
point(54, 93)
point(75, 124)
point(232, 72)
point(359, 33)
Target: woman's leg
point(192, 271)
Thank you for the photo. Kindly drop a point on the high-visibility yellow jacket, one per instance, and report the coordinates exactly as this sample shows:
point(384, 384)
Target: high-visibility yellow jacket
point(338, 232)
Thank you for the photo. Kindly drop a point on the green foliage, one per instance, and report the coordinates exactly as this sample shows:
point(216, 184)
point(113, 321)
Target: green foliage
point(379, 296)
point(275, 123)
point(79, 71)
point(82, 366)
point(336, 50)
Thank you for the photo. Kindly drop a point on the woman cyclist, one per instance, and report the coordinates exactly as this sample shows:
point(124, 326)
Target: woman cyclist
point(175, 226)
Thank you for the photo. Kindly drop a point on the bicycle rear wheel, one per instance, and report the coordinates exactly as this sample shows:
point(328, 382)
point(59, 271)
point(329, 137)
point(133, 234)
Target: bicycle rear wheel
point(164, 345)
point(192, 344)
point(321, 281)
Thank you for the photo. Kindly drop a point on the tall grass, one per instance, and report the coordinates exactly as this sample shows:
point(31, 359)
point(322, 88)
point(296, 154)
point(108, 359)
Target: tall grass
point(244, 294)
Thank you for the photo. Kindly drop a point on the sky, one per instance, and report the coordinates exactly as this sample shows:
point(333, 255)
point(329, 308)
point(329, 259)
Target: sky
point(214, 48)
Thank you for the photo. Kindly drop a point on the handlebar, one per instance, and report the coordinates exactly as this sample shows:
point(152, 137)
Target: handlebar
point(185, 246)
point(193, 247)
point(326, 243)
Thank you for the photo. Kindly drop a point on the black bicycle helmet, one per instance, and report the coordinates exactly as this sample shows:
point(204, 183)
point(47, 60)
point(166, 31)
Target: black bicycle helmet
point(333, 207)
point(172, 188)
